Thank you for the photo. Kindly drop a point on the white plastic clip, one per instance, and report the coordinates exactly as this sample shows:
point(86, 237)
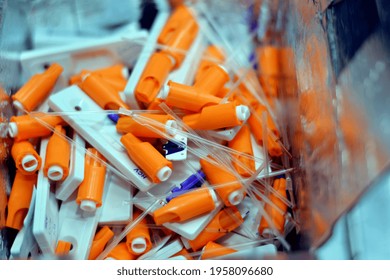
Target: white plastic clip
point(117, 208)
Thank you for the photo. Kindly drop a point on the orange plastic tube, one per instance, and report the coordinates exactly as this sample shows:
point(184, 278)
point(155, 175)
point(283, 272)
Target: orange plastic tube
point(273, 147)
point(278, 219)
point(270, 123)
point(3, 198)
point(102, 93)
point(138, 239)
point(231, 194)
point(25, 127)
point(57, 156)
point(146, 157)
point(218, 116)
point(225, 221)
point(269, 69)
point(119, 84)
point(254, 121)
point(90, 191)
point(153, 77)
point(178, 33)
point(120, 252)
point(128, 124)
point(245, 97)
point(63, 248)
point(213, 250)
point(242, 143)
point(186, 206)
point(213, 80)
point(116, 83)
point(36, 90)
point(26, 159)
point(155, 105)
point(100, 241)
point(188, 97)
point(114, 71)
point(222, 93)
point(19, 199)
point(211, 52)
point(288, 70)
point(256, 127)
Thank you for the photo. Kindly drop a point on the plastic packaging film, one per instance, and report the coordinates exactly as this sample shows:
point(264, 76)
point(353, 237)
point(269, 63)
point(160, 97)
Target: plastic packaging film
point(258, 146)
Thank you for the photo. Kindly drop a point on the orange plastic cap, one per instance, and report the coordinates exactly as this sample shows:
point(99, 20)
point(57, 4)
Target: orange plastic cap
point(183, 252)
point(63, 247)
point(242, 143)
point(212, 55)
point(100, 241)
point(287, 62)
point(146, 157)
point(153, 77)
point(245, 97)
point(36, 90)
point(25, 127)
point(232, 193)
point(128, 124)
point(119, 84)
point(269, 69)
point(26, 159)
point(213, 250)
point(102, 93)
point(256, 124)
point(186, 206)
point(188, 97)
point(225, 221)
point(117, 71)
point(278, 219)
point(213, 80)
point(19, 199)
point(269, 61)
point(113, 71)
point(274, 148)
point(57, 155)
point(138, 239)
point(178, 33)
point(218, 116)
point(120, 252)
point(90, 191)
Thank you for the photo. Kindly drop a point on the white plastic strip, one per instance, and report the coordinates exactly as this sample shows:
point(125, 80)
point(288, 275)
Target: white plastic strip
point(99, 131)
point(143, 58)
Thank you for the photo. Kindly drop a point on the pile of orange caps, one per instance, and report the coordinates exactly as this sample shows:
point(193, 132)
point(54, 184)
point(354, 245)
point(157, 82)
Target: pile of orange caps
point(218, 100)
